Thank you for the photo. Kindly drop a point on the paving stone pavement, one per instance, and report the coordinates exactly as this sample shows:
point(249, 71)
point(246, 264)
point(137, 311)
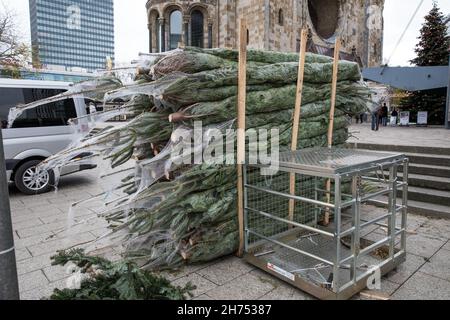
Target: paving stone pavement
point(41, 228)
point(405, 136)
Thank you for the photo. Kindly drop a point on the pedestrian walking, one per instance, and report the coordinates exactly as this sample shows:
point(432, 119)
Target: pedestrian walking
point(394, 117)
point(384, 115)
point(376, 119)
point(380, 118)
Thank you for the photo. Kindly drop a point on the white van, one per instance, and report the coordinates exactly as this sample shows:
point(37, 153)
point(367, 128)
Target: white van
point(38, 133)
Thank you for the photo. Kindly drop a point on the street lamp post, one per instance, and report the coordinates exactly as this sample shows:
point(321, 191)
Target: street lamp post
point(447, 109)
point(9, 288)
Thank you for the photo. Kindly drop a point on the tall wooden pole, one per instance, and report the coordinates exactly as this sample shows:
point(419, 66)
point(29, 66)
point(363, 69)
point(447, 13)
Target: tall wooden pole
point(242, 95)
point(337, 50)
point(297, 113)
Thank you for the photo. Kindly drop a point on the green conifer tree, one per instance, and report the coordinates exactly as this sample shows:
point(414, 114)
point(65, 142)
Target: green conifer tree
point(432, 50)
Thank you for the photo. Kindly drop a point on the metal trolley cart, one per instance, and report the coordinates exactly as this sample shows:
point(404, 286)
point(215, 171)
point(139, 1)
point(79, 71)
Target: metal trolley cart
point(338, 260)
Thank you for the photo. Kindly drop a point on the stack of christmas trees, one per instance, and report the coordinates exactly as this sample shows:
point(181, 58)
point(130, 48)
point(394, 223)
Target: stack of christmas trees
point(175, 211)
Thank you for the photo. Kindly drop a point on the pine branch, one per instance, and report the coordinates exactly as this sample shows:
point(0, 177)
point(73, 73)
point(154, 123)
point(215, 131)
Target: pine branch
point(122, 280)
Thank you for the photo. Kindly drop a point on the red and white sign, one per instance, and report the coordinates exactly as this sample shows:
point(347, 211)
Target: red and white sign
point(280, 271)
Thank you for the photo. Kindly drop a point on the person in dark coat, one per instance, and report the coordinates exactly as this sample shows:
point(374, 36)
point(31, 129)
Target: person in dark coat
point(394, 117)
point(376, 116)
point(384, 115)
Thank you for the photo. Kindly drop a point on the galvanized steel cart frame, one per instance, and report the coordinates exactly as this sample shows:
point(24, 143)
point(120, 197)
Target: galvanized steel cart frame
point(338, 165)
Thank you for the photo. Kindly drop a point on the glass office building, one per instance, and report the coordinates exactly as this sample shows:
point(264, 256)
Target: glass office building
point(72, 33)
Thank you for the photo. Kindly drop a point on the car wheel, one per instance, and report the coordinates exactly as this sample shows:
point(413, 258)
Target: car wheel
point(30, 180)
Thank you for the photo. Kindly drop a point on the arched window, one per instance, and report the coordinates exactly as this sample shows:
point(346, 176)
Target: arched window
point(281, 17)
point(155, 35)
point(197, 26)
point(248, 37)
point(325, 16)
point(160, 37)
point(176, 29)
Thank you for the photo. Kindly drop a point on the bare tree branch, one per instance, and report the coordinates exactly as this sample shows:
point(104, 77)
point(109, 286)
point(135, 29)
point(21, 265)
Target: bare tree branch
point(12, 51)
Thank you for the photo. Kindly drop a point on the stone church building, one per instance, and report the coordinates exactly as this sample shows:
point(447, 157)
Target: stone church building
point(272, 25)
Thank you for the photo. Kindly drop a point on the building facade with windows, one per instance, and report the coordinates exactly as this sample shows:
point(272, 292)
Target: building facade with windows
point(72, 33)
point(273, 25)
point(44, 75)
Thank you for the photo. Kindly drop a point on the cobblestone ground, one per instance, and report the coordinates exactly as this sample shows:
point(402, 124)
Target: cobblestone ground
point(41, 223)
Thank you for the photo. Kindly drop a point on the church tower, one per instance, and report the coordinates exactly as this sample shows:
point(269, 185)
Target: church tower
point(272, 24)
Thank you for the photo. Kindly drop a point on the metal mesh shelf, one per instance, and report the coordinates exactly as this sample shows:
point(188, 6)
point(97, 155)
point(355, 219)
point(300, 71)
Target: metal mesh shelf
point(332, 261)
point(334, 160)
point(318, 273)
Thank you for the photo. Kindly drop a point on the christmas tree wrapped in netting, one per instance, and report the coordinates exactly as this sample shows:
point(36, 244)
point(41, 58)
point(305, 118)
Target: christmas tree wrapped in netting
point(175, 210)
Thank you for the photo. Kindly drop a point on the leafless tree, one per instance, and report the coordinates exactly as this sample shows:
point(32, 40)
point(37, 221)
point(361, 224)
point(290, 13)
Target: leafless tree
point(13, 52)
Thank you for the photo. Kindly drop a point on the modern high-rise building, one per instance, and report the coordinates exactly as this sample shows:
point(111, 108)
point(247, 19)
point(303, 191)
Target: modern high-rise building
point(72, 33)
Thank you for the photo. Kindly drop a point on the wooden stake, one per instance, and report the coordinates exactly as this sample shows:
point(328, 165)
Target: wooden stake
point(337, 50)
point(297, 114)
point(242, 95)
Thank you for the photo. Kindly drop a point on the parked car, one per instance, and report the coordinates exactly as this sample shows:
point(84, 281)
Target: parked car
point(39, 132)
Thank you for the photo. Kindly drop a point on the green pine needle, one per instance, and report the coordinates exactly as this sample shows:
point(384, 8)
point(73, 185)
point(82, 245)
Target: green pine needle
point(121, 280)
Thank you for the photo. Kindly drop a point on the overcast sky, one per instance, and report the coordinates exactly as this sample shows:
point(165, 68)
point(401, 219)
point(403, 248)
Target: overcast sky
point(132, 34)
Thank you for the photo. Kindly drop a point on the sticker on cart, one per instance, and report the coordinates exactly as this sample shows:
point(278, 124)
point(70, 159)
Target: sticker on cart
point(278, 270)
